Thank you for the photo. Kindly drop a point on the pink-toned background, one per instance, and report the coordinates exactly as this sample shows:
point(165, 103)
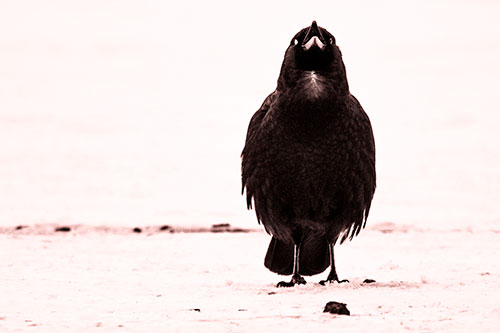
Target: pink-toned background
point(135, 112)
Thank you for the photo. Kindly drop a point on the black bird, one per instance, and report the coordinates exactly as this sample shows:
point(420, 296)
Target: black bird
point(309, 160)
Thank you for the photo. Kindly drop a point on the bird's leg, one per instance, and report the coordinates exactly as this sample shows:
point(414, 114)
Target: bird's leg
point(332, 277)
point(296, 277)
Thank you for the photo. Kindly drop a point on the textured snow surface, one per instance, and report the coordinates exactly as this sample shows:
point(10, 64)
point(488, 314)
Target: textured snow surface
point(426, 282)
point(135, 112)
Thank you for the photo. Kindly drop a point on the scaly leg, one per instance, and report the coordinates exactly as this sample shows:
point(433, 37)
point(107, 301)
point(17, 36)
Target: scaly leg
point(296, 277)
point(332, 277)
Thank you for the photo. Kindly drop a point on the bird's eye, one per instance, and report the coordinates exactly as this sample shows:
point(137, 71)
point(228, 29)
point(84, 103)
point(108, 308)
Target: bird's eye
point(295, 41)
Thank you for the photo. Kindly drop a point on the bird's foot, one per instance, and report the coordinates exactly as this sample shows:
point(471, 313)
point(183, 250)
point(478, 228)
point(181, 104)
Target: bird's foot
point(296, 279)
point(283, 284)
point(331, 279)
point(324, 282)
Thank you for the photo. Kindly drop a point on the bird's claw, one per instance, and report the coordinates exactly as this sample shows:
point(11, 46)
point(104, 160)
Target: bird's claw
point(323, 282)
point(284, 284)
point(296, 279)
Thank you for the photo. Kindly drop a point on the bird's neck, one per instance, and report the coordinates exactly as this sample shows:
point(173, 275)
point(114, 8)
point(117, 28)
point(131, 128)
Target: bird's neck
point(314, 86)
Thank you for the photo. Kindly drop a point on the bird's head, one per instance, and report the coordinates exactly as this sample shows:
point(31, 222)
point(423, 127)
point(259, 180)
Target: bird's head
point(313, 49)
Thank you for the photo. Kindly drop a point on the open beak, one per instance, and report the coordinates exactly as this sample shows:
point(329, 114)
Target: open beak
point(313, 38)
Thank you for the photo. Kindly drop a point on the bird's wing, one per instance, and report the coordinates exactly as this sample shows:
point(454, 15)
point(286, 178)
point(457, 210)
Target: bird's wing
point(368, 181)
point(249, 161)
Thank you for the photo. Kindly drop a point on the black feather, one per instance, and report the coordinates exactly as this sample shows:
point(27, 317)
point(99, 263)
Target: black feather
point(313, 255)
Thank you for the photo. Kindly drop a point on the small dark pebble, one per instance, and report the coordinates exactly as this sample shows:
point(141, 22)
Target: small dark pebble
point(225, 227)
point(138, 230)
point(197, 310)
point(238, 230)
point(336, 308)
point(271, 293)
point(221, 225)
point(19, 227)
point(369, 281)
point(165, 227)
point(242, 310)
point(63, 229)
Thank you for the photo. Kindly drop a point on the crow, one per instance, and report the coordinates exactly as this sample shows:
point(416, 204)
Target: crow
point(308, 164)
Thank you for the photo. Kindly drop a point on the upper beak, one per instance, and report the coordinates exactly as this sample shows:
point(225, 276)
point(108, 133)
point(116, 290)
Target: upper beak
point(313, 38)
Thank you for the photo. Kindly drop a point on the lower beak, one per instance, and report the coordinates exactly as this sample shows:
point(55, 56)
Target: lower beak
point(314, 41)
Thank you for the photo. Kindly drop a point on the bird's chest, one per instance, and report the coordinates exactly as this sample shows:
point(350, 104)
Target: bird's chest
point(297, 160)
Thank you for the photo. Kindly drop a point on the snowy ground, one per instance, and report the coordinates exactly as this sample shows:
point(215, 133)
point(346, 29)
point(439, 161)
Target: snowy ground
point(134, 113)
point(115, 280)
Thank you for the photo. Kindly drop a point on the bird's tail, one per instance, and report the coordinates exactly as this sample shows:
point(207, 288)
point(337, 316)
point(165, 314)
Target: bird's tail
point(313, 259)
